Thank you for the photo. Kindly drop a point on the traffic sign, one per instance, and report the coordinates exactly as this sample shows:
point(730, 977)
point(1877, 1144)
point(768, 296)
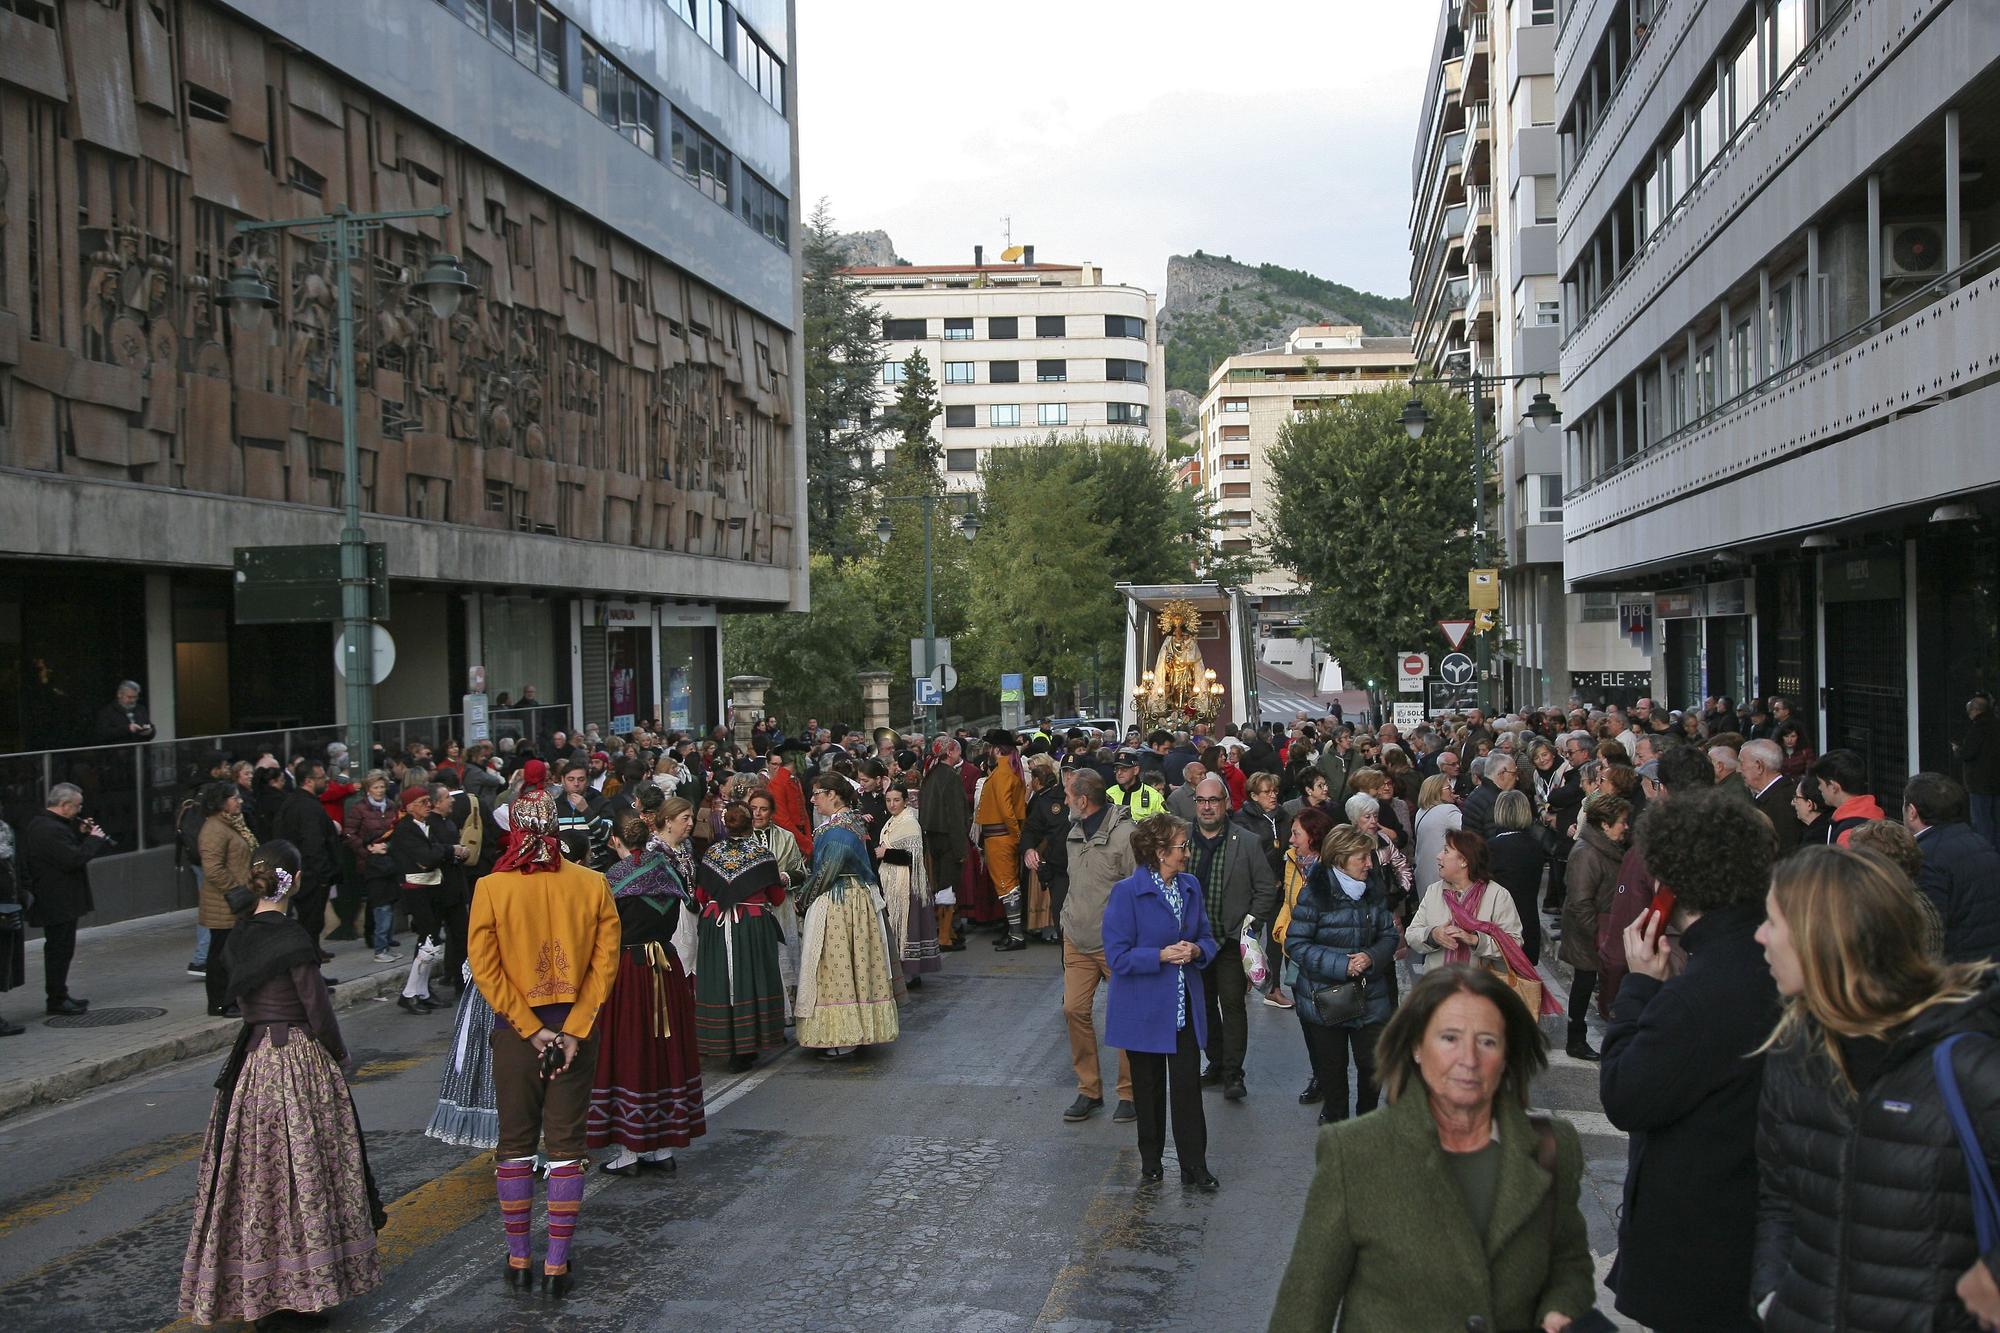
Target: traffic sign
point(945, 678)
point(1041, 684)
point(1411, 668)
point(942, 655)
point(1455, 631)
point(296, 585)
point(1482, 589)
point(383, 658)
point(1406, 716)
point(928, 695)
point(1456, 669)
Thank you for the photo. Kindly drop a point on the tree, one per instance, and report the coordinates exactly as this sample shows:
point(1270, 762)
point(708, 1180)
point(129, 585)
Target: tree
point(1378, 527)
point(915, 408)
point(843, 354)
point(811, 658)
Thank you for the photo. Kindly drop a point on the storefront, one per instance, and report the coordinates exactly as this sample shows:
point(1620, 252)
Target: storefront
point(1599, 689)
point(641, 663)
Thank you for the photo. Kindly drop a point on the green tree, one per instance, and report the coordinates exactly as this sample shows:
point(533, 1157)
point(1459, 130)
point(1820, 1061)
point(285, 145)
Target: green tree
point(1378, 527)
point(843, 353)
point(915, 408)
point(897, 592)
point(811, 657)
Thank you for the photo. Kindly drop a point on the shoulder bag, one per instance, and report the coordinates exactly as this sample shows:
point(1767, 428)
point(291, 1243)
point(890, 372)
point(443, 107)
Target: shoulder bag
point(1985, 1195)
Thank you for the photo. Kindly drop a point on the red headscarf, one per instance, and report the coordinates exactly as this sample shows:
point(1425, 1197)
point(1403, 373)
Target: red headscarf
point(531, 825)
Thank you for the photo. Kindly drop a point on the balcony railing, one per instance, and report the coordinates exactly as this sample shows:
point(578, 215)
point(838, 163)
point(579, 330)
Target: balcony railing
point(134, 791)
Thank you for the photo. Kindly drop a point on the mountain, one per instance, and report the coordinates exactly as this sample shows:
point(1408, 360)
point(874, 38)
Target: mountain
point(1216, 307)
point(867, 249)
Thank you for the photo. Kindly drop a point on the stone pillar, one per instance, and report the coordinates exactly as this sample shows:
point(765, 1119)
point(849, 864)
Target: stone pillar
point(746, 701)
point(874, 700)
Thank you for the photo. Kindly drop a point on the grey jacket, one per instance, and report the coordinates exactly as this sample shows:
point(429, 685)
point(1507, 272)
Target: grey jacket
point(1095, 864)
point(1248, 886)
point(1180, 802)
point(1334, 764)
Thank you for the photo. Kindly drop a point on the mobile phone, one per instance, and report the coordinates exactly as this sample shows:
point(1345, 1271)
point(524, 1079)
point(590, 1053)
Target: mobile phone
point(1663, 902)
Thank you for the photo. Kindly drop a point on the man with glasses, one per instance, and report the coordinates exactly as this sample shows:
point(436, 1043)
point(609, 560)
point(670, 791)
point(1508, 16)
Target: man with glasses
point(1236, 883)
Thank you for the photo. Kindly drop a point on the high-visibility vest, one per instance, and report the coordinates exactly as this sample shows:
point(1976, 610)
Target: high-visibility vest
point(1140, 803)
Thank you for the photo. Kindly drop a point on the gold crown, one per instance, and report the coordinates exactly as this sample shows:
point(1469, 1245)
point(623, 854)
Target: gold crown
point(1180, 616)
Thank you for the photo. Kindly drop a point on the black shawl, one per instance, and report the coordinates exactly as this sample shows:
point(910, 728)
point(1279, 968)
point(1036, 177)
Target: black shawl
point(267, 945)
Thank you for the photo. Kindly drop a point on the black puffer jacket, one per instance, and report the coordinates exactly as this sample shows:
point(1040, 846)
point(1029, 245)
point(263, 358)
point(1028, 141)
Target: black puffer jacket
point(1328, 927)
point(1864, 1216)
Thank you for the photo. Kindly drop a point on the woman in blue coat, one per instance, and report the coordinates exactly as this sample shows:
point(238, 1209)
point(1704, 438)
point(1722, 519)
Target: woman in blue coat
point(1342, 930)
point(1156, 941)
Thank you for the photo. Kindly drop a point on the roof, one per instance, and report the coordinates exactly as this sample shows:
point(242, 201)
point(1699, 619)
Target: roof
point(887, 270)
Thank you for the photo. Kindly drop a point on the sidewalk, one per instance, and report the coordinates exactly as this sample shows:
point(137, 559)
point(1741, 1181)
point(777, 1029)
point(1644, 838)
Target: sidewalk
point(141, 964)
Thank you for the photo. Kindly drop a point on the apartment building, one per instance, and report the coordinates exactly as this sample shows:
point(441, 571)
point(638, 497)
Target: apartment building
point(1777, 224)
point(1020, 351)
point(1486, 296)
point(573, 473)
point(1250, 398)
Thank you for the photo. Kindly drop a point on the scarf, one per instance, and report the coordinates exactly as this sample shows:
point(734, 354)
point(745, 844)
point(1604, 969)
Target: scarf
point(1170, 889)
point(735, 870)
point(1464, 908)
point(1209, 855)
point(242, 829)
point(266, 946)
point(1349, 885)
point(647, 875)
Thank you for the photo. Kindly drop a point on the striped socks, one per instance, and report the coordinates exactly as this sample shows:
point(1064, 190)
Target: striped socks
point(565, 1201)
point(514, 1181)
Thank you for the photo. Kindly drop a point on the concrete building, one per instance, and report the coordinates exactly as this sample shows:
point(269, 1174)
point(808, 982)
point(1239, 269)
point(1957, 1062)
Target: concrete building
point(1250, 398)
point(1021, 351)
point(1777, 224)
point(1486, 296)
point(573, 474)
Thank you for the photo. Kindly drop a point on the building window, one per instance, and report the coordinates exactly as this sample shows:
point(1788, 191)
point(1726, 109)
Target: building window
point(620, 99)
point(1003, 372)
point(1236, 520)
point(1132, 372)
point(1235, 490)
point(959, 414)
point(1544, 493)
point(582, 280)
point(529, 31)
point(1235, 432)
point(1548, 313)
point(892, 372)
point(1052, 414)
point(767, 212)
point(958, 330)
point(1051, 372)
point(705, 163)
point(1009, 327)
point(1051, 326)
point(1004, 414)
point(958, 372)
point(1236, 463)
point(1125, 414)
point(1124, 326)
point(759, 68)
point(1541, 13)
point(961, 460)
point(903, 330)
point(1236, 404)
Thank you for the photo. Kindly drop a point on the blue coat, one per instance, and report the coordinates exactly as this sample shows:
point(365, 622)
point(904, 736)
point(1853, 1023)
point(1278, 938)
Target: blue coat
point(1328, 928)
point(1139, 1014)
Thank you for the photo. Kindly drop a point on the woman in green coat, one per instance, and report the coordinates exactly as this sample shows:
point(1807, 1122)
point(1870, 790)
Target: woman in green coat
point(1449, 1204)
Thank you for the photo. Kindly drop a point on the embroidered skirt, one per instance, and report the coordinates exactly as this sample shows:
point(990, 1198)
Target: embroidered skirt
point(739, 1000)
point(647, 1091)
point(847, 994)
point(281, 1219)
point(467, 1114)
point(920, 938)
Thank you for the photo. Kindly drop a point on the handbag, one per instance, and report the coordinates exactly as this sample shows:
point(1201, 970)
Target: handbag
point(1529, 989)
point(1342, 1002)
point(1985, 1194)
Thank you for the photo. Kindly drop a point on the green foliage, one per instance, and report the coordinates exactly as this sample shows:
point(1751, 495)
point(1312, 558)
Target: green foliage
point(1267, 301)
point(843, 351)
point(1377, 527)
point(915, 408)
point(811, 658)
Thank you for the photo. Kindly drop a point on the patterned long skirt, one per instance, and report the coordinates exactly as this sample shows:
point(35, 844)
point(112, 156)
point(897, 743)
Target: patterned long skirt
point(468, 1109)
point(281, 1219)
point(920, 938)
point(647, 1091)
point(977, 901)
point(847, 996)
point(739, 1001)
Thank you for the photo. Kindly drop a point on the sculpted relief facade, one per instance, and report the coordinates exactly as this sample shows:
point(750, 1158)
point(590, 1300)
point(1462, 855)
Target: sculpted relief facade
point(589, 390)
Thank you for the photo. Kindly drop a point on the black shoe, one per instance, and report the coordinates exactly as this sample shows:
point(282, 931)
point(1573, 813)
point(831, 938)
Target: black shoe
point(1083, 1108)
point(1579, 1049)
point(558, 1285)
point(432, 1002)
point(1151, 1175)
point(410, 1005)
point(1234, 1090)
point(1311, 1096)
point(915, 983)
point(629, 1171)
point(956, 946)
point(68, 1005)
point(1010, 944)
point(1200, 1180)
point(1125, 1114)
point(1210, 1076)
point(225, 1011)
point(665, 1166)
point(517, 1279)
point(344, 933)
point(10, 1029)
point(739, 1063)
point(325, 957)
point(331, 981)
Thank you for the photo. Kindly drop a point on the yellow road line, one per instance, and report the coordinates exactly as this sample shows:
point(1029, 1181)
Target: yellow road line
point(141, 1163)
point(1108, 1223)
point(375, 1069)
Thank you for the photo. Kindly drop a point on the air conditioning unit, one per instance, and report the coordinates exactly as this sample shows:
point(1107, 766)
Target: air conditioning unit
point(1913, 249)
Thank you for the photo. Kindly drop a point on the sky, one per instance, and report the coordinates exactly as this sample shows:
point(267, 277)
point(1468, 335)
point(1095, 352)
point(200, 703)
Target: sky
point(1119, 132)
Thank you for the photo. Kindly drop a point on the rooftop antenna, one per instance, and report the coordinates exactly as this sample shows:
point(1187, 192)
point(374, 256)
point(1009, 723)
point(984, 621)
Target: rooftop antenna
point(1007, 231)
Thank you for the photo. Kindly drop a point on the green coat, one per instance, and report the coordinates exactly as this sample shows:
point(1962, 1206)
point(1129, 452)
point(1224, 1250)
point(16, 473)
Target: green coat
point(1385, 1243)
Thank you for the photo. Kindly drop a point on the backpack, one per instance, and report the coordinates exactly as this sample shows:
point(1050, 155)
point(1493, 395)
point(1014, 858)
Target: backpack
point(472, 833)
point(188, 820)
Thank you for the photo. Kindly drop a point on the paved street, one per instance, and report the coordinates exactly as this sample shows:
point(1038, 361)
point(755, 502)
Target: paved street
point(932, 1184)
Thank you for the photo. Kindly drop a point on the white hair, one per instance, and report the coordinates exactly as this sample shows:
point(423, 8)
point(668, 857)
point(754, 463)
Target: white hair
point(64, 791)
point(1359, 804)
point(1765, 752)
point(1498, 762)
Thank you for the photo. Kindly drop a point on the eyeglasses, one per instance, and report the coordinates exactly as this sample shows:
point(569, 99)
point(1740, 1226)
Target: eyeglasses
point(1210, 800)
point(1178, 847)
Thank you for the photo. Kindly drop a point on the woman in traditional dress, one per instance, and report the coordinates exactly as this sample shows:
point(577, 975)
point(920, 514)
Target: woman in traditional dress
point(782, 844)
point(468, 1108)
point(739, 997)
point(906, 888)
point(847, 993)
point(646, 1097)
point(285, 1213)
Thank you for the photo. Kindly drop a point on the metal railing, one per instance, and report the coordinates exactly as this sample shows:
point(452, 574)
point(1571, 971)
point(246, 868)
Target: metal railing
point(1979, 265)
point(133, 791)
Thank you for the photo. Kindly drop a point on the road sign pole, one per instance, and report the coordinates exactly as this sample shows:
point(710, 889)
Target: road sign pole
point(1479, 512)
point(353, 539)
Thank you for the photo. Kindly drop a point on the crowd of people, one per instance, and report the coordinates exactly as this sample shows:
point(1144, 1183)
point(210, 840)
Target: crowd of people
point(1774, 960)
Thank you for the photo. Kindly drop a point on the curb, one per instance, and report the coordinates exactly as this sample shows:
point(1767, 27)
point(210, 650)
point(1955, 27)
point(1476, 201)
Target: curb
point(210, 1036)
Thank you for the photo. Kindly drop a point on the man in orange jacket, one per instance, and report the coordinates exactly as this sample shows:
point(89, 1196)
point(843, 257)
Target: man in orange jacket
point(1003, 809)
point(543, 943)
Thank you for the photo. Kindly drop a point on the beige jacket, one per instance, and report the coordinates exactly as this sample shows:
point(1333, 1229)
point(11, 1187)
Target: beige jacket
point(1497, 906)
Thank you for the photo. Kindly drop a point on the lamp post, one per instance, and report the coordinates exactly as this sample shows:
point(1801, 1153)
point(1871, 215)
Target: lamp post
point(249, 298)
point(1542, 413)
point(968, 524)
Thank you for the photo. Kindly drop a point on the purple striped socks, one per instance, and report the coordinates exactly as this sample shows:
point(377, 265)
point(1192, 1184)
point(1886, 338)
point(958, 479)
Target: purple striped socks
point(514, 1181)
point(565, 1201)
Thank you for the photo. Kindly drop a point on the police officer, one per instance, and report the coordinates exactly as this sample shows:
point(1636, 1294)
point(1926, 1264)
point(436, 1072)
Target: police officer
point(1139, 799)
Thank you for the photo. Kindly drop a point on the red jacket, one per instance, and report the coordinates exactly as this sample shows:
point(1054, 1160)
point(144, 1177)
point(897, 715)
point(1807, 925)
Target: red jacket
point(788, 806)
point(335, 799)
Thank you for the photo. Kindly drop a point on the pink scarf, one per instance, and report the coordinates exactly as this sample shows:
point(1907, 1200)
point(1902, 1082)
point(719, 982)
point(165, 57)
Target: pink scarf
point(1464, 915)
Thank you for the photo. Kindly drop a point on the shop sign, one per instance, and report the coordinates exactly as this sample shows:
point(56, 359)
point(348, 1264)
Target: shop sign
point(1680, 604)
point(1864, 576)
point(1611, 680)
point(622, 615)
point(1730, 598)
point(677, 699)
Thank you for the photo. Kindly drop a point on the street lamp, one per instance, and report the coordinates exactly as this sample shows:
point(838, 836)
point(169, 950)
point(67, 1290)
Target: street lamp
point(1541, 414)
point(442, 286)
point(968, 526)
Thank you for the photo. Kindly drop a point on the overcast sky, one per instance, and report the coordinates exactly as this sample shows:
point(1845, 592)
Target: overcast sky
point(1120, 131)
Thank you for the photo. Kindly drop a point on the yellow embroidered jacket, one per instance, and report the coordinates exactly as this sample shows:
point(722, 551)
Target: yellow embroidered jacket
point(544, 938)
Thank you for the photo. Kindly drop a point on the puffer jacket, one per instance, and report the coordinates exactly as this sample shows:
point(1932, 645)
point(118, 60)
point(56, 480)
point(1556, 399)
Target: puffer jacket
point(1864, 1215)
point(1589, 884)
point(1328, 927)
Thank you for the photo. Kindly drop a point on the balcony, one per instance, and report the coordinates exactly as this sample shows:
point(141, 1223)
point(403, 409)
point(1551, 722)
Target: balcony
point(1478, 211)
point(1478, 55)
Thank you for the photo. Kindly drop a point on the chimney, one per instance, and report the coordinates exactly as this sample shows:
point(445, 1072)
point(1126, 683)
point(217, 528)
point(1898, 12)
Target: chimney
point(979, 256)
point(1028, 255)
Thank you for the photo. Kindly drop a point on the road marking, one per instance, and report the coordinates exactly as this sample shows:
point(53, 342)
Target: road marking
point(1107, 1224)
point(141, 1163)
point(375, 1069)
